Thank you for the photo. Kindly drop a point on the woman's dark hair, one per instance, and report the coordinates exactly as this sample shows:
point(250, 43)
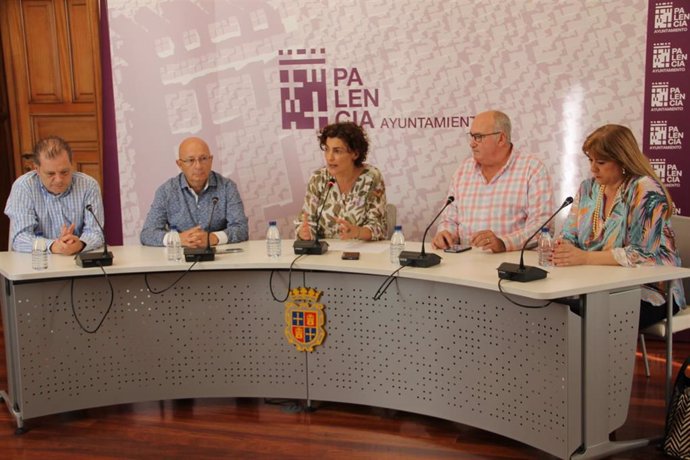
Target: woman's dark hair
point(351, 134)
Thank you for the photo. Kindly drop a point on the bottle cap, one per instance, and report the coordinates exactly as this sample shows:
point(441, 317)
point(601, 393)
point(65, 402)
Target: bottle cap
point(398, 227)
point(271, 222)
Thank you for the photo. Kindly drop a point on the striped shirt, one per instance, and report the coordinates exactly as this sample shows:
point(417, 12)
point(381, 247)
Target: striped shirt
point(514, 204)
point(32, 209)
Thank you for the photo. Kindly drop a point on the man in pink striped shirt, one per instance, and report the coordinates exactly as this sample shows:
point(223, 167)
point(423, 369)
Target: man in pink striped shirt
point(501, 195)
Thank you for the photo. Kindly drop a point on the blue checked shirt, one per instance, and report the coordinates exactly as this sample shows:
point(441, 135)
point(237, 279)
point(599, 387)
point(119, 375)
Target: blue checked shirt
point(31, 209)
point(175, 203)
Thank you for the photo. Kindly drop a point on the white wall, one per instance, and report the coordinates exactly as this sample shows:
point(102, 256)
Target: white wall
point(212, 69)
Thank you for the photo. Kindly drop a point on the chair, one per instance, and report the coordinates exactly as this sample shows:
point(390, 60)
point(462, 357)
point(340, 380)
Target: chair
point(391, 216)
point(681, 320)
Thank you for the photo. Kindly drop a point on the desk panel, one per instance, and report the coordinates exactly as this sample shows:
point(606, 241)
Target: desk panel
point(442, 341)
point(622, 330)
point(459, 353)
point(214, 334)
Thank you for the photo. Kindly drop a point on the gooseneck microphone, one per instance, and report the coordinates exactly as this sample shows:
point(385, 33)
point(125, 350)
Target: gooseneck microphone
point(95, 259)
point(315, 246)
point(520, 272)
point(203, 254)
point(422, 259)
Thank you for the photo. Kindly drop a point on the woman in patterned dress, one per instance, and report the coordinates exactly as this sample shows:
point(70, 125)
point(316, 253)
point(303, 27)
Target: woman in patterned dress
point(621, 216)
point(352, 193)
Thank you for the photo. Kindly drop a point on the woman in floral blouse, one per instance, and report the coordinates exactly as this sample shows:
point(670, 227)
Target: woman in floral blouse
point(351, 192)
point(621, 216)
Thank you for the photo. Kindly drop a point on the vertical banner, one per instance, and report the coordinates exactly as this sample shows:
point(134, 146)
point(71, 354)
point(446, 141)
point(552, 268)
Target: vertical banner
point(667, 82)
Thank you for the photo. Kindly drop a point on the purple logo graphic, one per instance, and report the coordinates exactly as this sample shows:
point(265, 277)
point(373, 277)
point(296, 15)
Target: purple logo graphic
point(305, 97)
point(669, 18)
point(303, 91)
point(666, 97)
point(668, 59)
point(669, 173)
point(664, 136)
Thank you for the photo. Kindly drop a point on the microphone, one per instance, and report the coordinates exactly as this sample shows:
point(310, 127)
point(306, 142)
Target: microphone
point(422, 259)
point(203, 254)
point(315, 246)
point(520, 272)
point(95, 259)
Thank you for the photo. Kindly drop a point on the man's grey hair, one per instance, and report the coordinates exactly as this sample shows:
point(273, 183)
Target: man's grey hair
point(502, 123)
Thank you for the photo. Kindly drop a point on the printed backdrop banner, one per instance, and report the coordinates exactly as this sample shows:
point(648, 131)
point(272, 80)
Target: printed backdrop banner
point(256, 79)
point(667, 83)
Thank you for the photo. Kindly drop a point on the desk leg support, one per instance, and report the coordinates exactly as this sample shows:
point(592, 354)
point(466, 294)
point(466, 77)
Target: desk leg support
point(9, 324)
point(595, 398)
point(17, 416)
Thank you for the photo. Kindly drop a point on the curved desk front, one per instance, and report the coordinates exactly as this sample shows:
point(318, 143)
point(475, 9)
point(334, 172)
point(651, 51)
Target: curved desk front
point(442, 341)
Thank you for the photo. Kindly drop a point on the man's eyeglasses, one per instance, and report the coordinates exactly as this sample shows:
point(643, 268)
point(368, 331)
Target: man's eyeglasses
point(200, 160)
point(479, 137)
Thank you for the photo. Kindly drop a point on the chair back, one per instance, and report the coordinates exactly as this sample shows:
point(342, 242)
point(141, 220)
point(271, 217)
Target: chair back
point(391, 216)
point(681, 227)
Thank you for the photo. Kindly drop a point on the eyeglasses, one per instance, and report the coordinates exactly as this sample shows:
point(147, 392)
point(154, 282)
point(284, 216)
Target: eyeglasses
point(479, 137)
point(200, 160)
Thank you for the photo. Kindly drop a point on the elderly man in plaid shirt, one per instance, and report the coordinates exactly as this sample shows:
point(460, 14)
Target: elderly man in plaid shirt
point(502, 196)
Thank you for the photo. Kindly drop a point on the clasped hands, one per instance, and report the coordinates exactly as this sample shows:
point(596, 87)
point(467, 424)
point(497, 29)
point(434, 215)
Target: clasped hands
point(196, 237)
point(566, 254)
point(67, 243)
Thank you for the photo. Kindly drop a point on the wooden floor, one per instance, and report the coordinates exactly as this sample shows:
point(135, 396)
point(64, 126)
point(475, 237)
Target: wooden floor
point(255, 428)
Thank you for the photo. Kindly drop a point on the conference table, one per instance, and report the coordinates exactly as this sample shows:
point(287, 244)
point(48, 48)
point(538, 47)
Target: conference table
point(441, 341)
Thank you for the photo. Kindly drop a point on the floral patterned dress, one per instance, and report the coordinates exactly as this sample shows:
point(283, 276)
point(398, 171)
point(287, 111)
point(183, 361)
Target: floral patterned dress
point(637, 230)
point(364, 205)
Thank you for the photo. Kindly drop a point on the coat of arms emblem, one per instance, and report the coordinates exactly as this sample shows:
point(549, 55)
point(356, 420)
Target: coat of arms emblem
point(304, 319)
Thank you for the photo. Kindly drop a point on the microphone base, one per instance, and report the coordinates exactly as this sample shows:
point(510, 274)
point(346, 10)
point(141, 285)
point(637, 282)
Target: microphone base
point(417, 259)
point(310, 247)
point(94, 259)
point(524, 274)
point(199, 254)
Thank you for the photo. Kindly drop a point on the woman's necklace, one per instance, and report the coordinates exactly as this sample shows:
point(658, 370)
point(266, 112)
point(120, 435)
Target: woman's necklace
point(597, 223)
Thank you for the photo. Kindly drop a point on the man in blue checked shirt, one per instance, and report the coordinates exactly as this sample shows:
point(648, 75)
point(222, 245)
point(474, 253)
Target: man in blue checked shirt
point(52, 199)
point(186, 200)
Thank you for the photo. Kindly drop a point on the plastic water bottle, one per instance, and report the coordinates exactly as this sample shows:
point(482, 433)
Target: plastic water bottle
point(397, 244)
point(273, 244)
point(545, 248)
point(39, 253)
point(173, 245)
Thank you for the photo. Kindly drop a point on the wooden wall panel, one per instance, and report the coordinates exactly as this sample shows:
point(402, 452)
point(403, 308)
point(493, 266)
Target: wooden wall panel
point(39, 27)
point(6, 160)
point(81, 131)
point(82, 53)
point(92, 169)
point(52, 62)
point(87, 161)
point(27, 162)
